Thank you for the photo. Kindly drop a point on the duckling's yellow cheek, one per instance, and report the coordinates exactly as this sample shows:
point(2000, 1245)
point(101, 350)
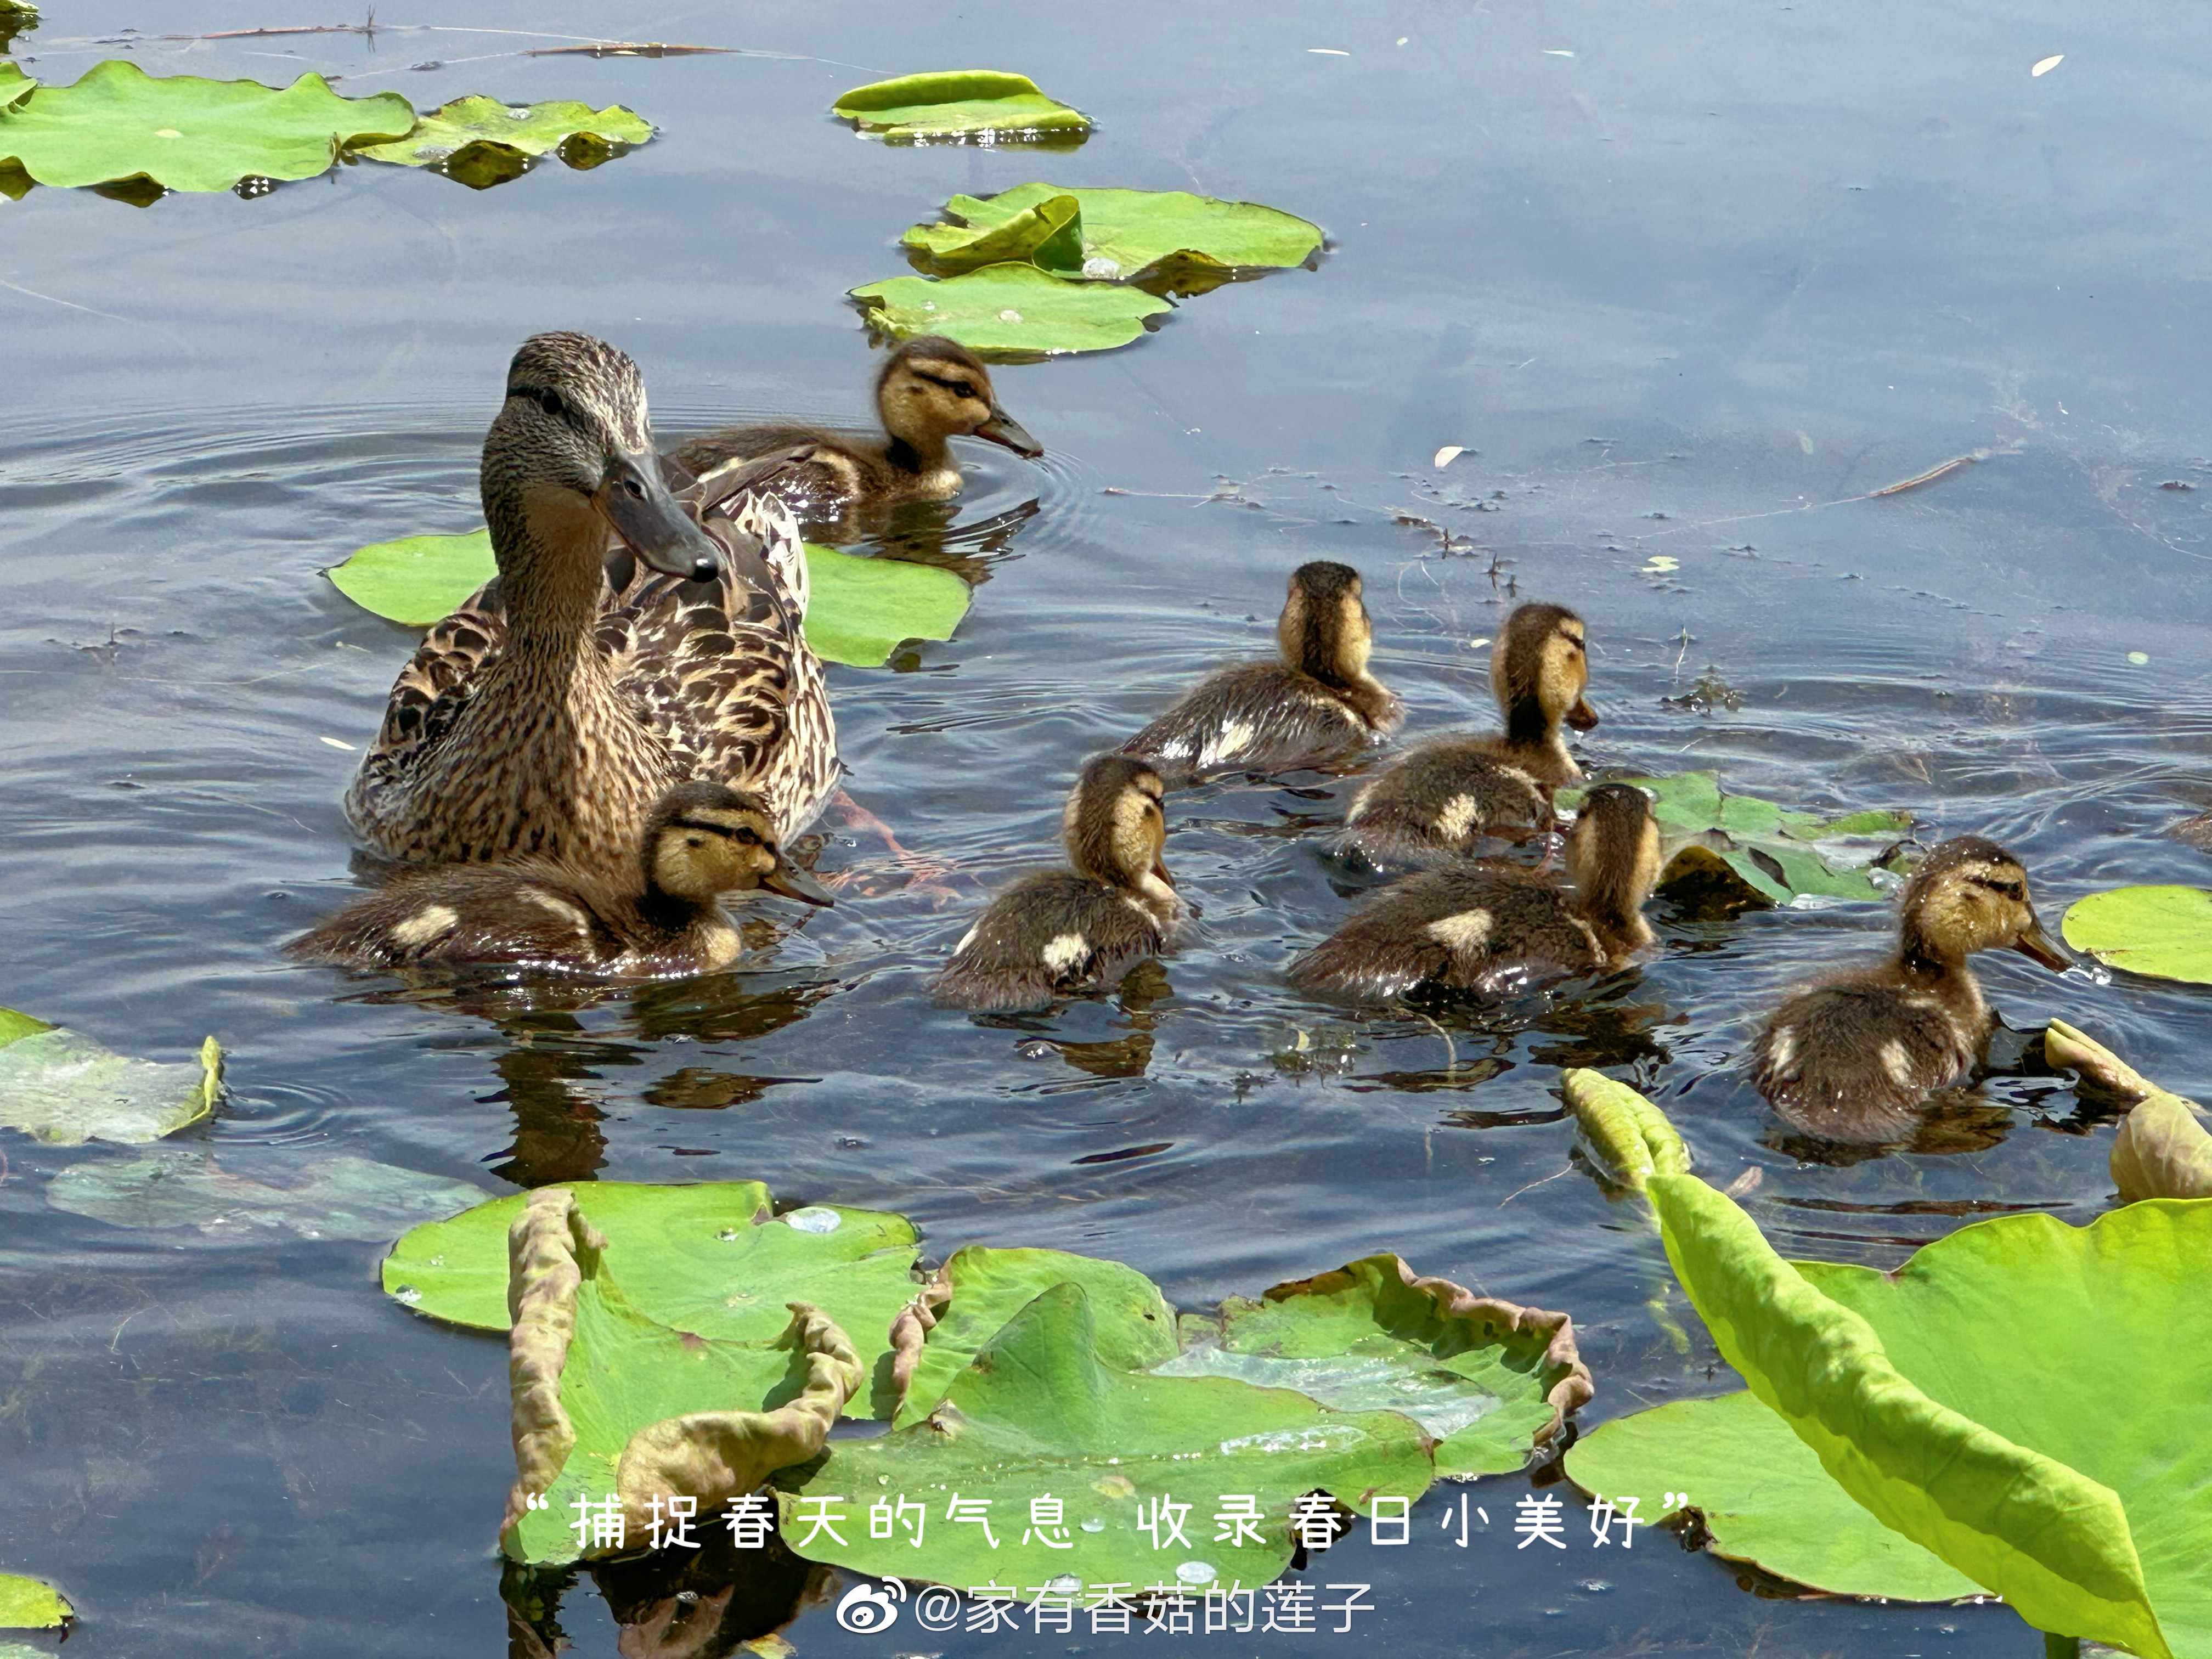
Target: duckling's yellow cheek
point(431, 921)
point(1469, 930)
point(1064, 950)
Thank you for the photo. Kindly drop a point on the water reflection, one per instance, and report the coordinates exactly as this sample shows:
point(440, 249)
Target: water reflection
point(673, 1604)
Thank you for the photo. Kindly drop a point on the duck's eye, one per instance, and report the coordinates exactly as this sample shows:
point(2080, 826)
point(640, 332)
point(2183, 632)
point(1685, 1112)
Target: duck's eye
point(695, 840)
point(551, 403)
point(746, 837)
point(961, 388)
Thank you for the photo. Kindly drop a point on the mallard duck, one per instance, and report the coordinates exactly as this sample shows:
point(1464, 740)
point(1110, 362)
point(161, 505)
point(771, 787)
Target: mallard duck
point(1056, 933)
point(1496, 930)
point(1317, 705)
point(1443, 797)
point(930, 391)
point(545, 716)
point(702, 841)
point(1853, 1059)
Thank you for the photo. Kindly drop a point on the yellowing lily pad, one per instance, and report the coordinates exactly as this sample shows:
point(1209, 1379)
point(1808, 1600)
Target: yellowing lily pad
point(858, 611)
point(183, 133)
point(64, 1089)
point(2162, 933)
point(483, 141)
point(1010, 311)
point(31, 1604)
point(961, 107)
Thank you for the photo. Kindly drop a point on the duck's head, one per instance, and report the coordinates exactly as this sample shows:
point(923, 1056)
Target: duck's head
point(1970, 895)
point(933, 388)
point(571, 453)
point(1538, 672)
point(706, 839)
point(1613, 856)
point(1324, 628)
point(1114, 826)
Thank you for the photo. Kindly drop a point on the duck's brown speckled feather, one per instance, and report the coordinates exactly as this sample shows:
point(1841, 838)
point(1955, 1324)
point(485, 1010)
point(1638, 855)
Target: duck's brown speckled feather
point(1443, 799)
point(1855, 1061)
point(1488, 929)
point(1258, 717)
point(1050, 933)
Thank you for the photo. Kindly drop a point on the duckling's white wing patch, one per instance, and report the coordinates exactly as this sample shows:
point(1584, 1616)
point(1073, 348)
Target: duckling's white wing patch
point(560, 906)
point(1064, 950)
point(1233, 739)
point(1468, 931)
point(432, 921)
point(1781, 1048)
point(1897, 1062)
point(1457, 818)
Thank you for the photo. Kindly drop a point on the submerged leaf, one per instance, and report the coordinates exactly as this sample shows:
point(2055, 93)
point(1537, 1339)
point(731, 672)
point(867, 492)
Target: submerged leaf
point(31, 1604)
point(2163, 933)
point(59, 1087)
point(1629, 1138)
point(1489, 1381)
point(340, 1197)
point(858, 611)
point(1009, 310)
point(182, 133)
point(1125, 236)
point(483, 141)
point(984, 106)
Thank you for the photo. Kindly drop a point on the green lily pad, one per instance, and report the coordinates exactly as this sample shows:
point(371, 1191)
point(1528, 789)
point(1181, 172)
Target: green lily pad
point(64, 1089)
point(712, 1259)
point(2023, 1398)
point(14, 85)
point(1747, 851)
point(2163, 933)
point(182, 133)
point(958, 106)
point(1125, 236)
point(974, 1295)
point(1628, 1138)
point(1763, 1495)
point(341, 1197)
point(1040, 1415)
point(1009, 311)
point(1488, 1381)
point(31, 1604)
point(859, 611)
point(483, 141)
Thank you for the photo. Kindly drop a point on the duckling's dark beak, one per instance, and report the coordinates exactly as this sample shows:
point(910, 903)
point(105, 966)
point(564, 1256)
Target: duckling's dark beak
point(1581, 716)
point(652, 523)
point(2035, 945)
point(1004, 429)
point(793, 882)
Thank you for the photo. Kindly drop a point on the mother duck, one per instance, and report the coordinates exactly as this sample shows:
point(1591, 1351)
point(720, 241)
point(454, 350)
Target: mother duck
point(546, 715)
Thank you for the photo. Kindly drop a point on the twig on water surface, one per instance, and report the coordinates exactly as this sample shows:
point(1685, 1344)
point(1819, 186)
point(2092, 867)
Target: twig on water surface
point(1941, 470)
point(1451, 1054)
point(366, 27)
point(630, 49)
point(1533, 1185)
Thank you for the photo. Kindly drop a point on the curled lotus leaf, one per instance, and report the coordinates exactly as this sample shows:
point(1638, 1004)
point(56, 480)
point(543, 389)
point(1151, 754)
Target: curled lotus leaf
point(960, 106)
point(64, 1089)
point(117, 123)
point(1487, 1380)
point(2162, 1150)
point(1628, 1138)
point(2161, 932)
point(1010, 311)
point(483, 141)
point(32, 1604)
point(549, 1246)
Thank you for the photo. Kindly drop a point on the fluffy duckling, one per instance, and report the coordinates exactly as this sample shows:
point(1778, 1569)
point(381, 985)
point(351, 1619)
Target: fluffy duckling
point(1056, 933)
point(702, 840)
point(1853, 1059)
point(1495, 930)
point(1318, 704)
point(1442, 797)
point(930, 391)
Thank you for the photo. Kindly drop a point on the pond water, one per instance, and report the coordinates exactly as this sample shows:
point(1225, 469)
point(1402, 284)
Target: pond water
point(1676, 277)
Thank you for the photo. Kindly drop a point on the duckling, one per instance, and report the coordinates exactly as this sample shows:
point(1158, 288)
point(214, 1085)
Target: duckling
point(1442, 797)
point(545, 716)
point(930, 391)
point(1496, 930)
point(1852, 1059)
point(702, 841)
point(1056, 933)
point(1319, 704)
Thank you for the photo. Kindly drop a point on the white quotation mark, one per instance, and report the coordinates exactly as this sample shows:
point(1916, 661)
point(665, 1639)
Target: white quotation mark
point(867, 1607)
point(536, 1500)
point(1673, 1500)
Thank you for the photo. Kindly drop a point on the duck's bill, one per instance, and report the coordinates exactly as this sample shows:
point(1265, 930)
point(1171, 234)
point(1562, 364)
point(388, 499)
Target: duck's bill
point(2036, 946)
point(652, 522)
point(793, 882)
point(1581, 716)
point(1004, 429)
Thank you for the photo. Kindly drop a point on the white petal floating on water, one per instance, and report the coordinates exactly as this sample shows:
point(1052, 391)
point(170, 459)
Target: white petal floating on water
point(1448, 454)
point(1328, 52)
point(2045, 66)
point(339, 743)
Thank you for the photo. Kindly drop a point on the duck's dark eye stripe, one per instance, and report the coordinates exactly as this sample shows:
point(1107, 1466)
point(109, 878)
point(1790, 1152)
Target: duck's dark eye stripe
point(959, 388)
point(707, 824)
point(2011, 889)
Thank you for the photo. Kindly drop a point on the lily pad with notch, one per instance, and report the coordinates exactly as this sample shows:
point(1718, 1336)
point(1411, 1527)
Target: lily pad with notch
point(988, 106)
point(1010, 311)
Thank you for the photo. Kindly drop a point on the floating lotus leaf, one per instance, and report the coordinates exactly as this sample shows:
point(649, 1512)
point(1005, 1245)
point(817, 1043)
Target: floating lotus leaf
point(1010, 311)
point(341, 1197)
point(1629, 1138)
point(712, 1258)
point(2163, 933)
point(1748, 851)
point(29, 1604)
point(14, 85)
point(973, 106)
point(182, 133)
point(1124, 235)
point(2162, 1150)
point(971, 1297)
point(610, 1404)
point(1040, 1414)
point(2023, 1398)
point(858, 611)
point(1762, 1494)
point(66, 1088)
point(1487, 1380)
point(483, 141)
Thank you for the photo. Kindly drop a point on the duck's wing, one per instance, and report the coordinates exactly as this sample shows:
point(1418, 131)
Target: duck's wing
point(1492, 932)
point(1853, 1061)
point(432, 690)
point(721, 671)
point(1050, 933)
point(1258, 717)
point(1442, 799)
point(528, 913)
